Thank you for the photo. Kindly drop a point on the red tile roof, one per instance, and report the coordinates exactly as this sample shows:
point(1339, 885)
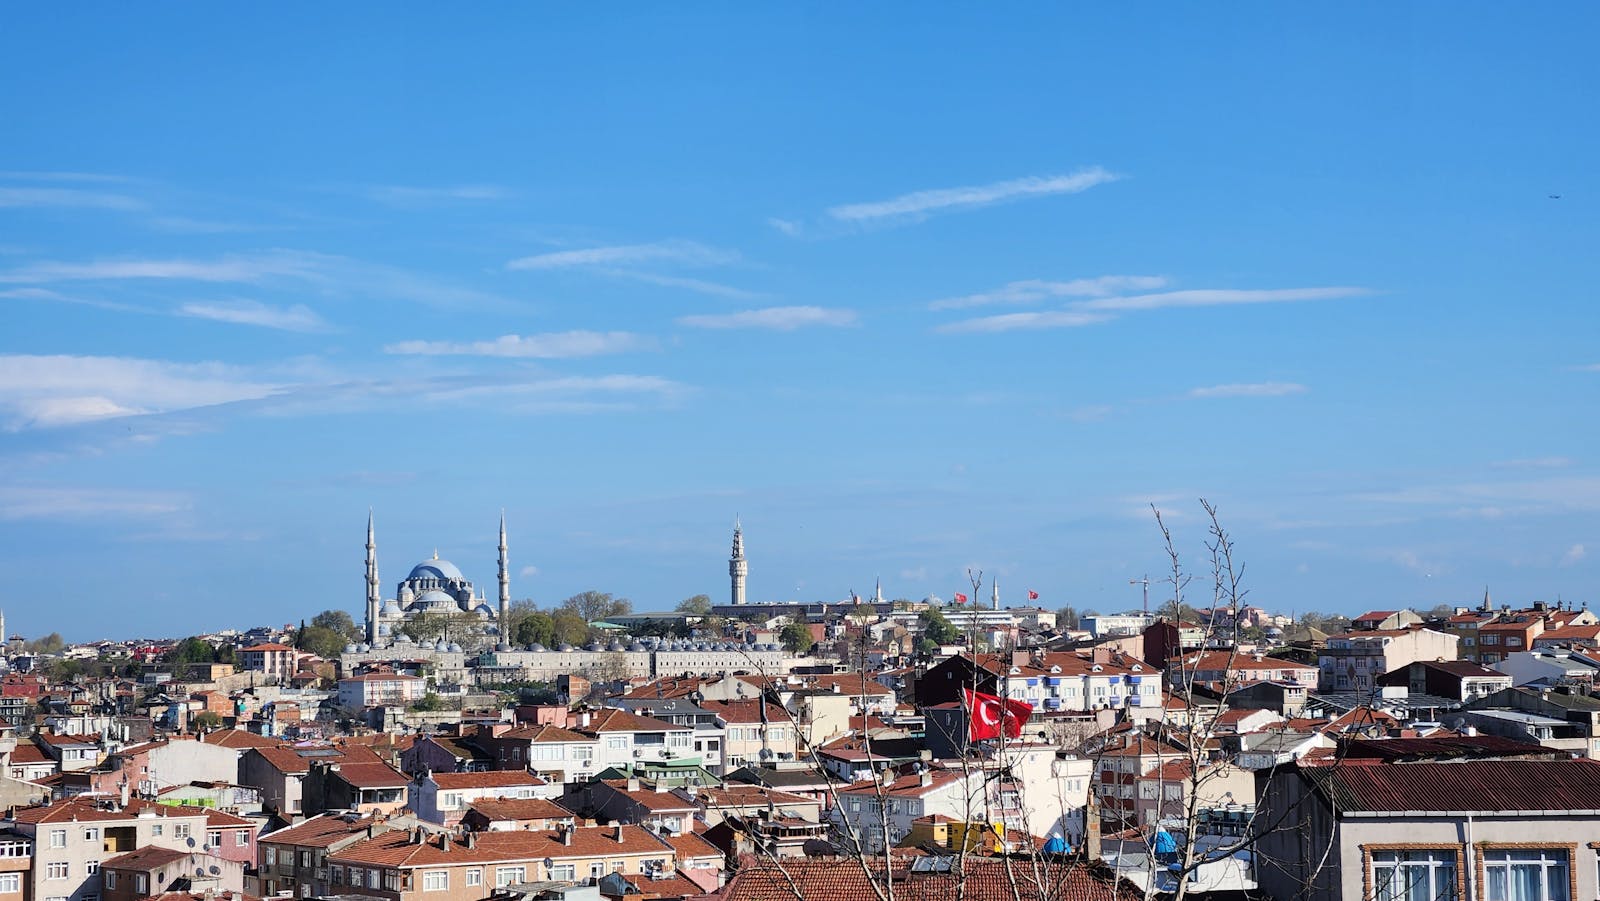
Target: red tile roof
point(319, 832)
point(492, 779)
point(842, 879)
point(517, 809)
point(611, 720)
point(146, 858)
point(371, 775)
point(395, 848)
point(1521, 786)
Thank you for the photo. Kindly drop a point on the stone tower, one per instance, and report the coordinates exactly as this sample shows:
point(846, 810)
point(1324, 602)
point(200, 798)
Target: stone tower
point(373, 601)
point(505, 588)
point(737, 567)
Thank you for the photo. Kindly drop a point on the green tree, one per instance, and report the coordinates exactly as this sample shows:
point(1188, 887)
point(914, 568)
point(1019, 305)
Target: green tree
point(322, 641)
point(535, 628)
point(699, 605)
point(428, 703)
point(338, 621)
point(595, 606)
point(206, 719)
point(796, 638)
point(191, 650)
point(1067, 618)
point(937, 629)
point(569, 627)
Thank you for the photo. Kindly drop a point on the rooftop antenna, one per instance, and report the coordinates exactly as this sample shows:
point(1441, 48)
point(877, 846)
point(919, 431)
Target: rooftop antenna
point(1146, 583)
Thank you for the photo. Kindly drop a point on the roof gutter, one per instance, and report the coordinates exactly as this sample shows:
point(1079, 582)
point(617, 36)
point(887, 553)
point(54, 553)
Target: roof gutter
point(1377, 814)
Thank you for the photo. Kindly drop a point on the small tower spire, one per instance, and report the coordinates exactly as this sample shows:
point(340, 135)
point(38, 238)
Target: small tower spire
point(737, 567)
point(505, 588)
point(372, 581)
point(994, 597)
point(877, 590)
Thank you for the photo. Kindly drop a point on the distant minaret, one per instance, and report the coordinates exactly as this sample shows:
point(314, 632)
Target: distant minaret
point(737, 567)
point(372, 583)
point(877, 590)
point(994, 598)
point(505, 588)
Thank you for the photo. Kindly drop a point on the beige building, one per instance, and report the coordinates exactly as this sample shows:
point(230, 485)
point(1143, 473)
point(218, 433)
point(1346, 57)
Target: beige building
point(408, 865)
point(1355, 661)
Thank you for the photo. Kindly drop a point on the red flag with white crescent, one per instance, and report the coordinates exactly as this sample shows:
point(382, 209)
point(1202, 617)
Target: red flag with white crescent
point(960, 598)
point(990, 717)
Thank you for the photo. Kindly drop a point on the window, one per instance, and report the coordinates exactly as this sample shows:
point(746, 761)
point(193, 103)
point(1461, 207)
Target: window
point(91, 833)
point(241, 838)
point(158, 829)
point(1526, 874)
point(475, 876)
point(374, 878)
point(269, 856)
point(58, 838)
point(435, 880)
point(180, 830)
point(563, 872)
point(450, 801)
point(583, 752)
point(214, 838)
point(504, 876)
point(617, 743)
point(141, 883)
point(597, 869)
point(91, 868)
point(57, 870)
point(111, 880)
point(10, 882)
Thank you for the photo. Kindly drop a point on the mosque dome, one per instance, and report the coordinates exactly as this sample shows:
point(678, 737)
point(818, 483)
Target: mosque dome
point(435, 600)
point(434, 569)
point(484, 610)
point(391, 607)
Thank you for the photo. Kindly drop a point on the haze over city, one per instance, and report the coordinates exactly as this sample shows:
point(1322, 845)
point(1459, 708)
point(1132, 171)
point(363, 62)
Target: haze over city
point(908, 290)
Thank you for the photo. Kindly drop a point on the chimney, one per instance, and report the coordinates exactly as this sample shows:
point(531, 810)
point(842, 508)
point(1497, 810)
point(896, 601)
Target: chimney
point(618, 834)
point(633, 783)
point(925, 778)
point(444, 842)
point(472, 840)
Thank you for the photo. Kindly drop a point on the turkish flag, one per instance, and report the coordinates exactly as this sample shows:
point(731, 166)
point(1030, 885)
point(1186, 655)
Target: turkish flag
point(960, 598)
point(989, 716)
point(1033, 595)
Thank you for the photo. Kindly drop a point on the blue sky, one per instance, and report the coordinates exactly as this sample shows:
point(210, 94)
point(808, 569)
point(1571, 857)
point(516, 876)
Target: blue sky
point(911, 289)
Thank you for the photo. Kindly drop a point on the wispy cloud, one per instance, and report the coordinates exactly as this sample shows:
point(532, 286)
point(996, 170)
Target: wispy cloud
point(1217, 298)
point(68, 198)
point(296, 318)
point(46, 391)
point(1035, 290)
point(555, 345)
point(787, 226)
point(232, 268)
point(19, 502)
point(408, 195)
point(1586, 367)
point(688, 253)
point(1008, 322)
point(1573, 555)
point(1534, 463)
point(1250, 389)
point(922, 203)
point(1096, 309)
point(325, 272)
point(777, 318)
point(697, 285)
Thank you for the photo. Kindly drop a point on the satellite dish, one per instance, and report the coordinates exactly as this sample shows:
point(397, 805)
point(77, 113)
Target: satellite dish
point(549, 862)
point(214, 870)
point(191, 843)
